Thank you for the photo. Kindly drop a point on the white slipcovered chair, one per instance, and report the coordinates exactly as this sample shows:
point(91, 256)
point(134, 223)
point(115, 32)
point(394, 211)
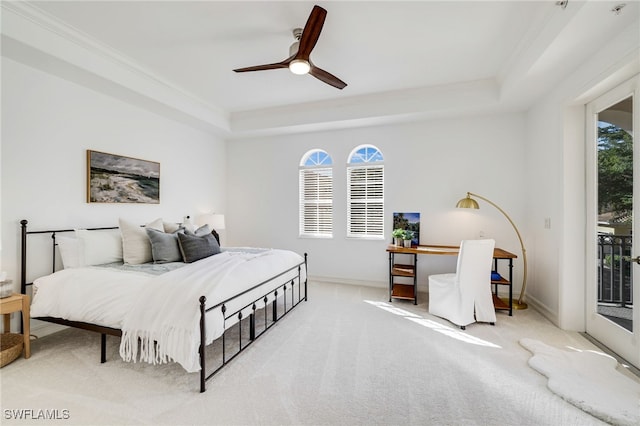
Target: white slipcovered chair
point(456, 296)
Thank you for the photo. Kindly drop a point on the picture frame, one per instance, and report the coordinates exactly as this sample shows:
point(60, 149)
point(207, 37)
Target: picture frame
point(408, 222)
point(115, 178)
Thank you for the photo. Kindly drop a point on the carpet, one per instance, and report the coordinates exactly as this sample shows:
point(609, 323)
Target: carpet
point(589, 380)
point(346, 357)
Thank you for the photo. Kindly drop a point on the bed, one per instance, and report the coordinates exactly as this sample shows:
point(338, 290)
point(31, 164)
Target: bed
point(169, 310)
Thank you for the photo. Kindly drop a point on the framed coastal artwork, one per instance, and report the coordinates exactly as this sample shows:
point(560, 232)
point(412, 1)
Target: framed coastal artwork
point(116, 179)
point(408, 222)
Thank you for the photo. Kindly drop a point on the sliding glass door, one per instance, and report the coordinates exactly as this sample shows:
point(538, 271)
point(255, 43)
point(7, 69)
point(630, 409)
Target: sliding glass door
point(613, 254)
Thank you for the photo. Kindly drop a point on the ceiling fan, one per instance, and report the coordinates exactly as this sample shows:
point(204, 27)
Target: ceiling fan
point(299, 62)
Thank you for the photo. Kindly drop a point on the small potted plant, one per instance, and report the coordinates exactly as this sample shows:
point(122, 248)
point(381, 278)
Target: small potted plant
point(398, 236)
point(408, 237)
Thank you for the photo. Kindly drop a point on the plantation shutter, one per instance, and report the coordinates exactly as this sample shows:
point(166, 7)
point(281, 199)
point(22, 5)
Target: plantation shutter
point(365, 215)
point(316, 202)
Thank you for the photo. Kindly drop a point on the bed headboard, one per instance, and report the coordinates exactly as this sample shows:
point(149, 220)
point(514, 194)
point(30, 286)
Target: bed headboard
point(23, 248)
point(53, 232)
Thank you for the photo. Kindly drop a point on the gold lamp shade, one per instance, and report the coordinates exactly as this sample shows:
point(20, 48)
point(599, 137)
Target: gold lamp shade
point(467, 203)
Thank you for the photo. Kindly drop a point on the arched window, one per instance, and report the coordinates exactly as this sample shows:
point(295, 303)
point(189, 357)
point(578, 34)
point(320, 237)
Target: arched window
point(316, 194)
point(365, 193)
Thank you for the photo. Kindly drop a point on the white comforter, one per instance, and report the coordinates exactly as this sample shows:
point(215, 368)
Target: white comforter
point(95, 295)
point(163, 309)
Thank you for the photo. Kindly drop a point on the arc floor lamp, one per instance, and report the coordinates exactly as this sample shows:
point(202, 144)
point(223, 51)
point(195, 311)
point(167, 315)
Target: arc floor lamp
point(470, 203)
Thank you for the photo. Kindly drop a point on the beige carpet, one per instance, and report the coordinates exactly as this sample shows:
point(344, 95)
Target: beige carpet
point(345, 357)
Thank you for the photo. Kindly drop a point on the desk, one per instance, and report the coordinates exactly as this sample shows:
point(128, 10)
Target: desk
point(409, 270)
point(15, 303)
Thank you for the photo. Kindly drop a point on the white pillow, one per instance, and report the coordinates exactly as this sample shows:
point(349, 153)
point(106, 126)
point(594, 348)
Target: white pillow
point(70, 252)
point(170, 227)
point(136, 247)
point(99, 247)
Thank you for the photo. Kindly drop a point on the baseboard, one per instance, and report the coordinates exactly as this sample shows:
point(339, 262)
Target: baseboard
point(534, 303)
point(364, 283)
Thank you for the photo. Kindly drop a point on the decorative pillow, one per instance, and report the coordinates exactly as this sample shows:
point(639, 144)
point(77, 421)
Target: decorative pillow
point(170, 227)
point(99, 247)
point(200, 232)
point(164, 246)
point(195, 248)
point(136, 246)
point(70, 252)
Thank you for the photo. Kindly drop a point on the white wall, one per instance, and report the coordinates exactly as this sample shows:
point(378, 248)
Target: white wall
point(429, 166)
point(544, 158)
point(531, 164)
point(48, 124)
point(555, 183)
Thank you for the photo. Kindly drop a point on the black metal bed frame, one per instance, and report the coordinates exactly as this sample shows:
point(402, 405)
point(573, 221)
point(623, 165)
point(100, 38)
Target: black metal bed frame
point(252, 306)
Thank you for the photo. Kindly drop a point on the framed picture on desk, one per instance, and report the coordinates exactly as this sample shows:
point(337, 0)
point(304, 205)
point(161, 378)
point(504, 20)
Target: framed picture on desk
point(408, 222)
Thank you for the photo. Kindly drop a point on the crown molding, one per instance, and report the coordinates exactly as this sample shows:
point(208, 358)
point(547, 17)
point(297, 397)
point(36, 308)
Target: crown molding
point(370, 110)
point(32, 27)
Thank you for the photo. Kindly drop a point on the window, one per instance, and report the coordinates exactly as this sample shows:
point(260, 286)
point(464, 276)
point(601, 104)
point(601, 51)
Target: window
point(365, 193)
point(316, 195)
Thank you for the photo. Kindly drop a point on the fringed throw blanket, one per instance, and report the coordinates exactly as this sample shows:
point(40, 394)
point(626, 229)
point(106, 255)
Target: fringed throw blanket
point(164, 322)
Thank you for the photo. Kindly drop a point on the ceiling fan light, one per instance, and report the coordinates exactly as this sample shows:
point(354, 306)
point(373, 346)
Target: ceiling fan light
point(299, 66)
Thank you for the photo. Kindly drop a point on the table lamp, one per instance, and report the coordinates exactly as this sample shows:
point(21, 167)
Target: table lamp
point(470, 203)
point(214, 220)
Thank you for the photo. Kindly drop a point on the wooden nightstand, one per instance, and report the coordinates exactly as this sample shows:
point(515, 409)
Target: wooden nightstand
point(15, 303)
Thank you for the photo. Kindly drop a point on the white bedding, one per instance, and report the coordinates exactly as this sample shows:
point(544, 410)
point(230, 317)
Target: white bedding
point(89, 294)
point(164, 308)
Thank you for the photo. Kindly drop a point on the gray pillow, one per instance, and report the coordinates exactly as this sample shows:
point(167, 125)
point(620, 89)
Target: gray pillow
point(164, 247)
point(203, 230)
point(195, 248)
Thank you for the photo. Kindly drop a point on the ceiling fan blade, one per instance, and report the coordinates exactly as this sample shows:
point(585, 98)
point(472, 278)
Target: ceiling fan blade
point(311, 32)
point(326, 77)
point(283, 64)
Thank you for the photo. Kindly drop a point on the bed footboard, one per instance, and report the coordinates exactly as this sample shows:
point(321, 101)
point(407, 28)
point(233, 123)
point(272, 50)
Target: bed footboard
point(277, 308)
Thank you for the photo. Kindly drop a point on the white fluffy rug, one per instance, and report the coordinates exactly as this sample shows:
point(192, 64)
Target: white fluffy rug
point(589, 380)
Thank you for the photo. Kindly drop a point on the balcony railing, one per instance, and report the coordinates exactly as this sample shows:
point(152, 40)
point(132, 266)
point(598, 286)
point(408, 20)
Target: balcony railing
point(614, 270)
